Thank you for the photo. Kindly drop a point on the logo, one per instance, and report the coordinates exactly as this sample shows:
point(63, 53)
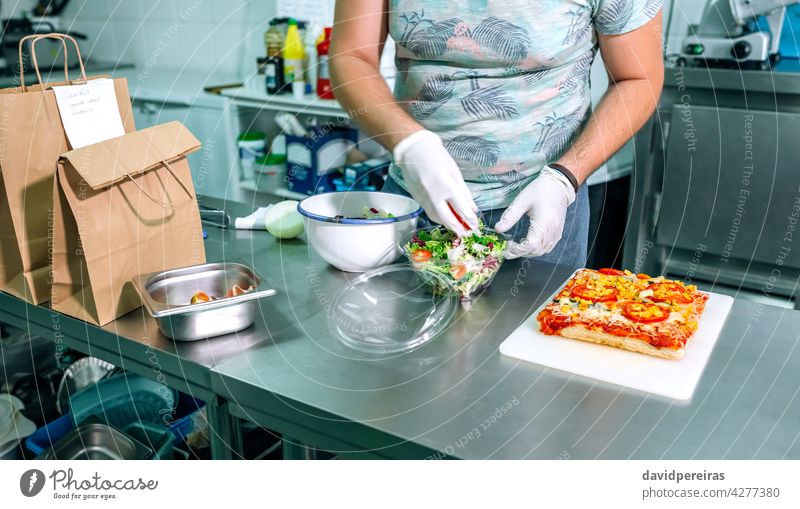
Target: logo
point(31, 482)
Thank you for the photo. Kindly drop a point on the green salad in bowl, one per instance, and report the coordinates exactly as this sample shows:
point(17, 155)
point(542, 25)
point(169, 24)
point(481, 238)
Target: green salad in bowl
point(468, 263)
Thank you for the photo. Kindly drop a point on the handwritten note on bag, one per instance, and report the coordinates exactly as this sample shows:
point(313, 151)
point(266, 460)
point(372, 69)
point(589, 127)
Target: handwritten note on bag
point(89, 112)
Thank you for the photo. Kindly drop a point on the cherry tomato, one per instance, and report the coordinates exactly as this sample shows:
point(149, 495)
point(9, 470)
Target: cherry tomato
point(670, 292)
point(200, 297)
point(611, 272)
point(642, 276)
point(644, 312)
point(594, 294)
point(421, 255)
point(458, 271)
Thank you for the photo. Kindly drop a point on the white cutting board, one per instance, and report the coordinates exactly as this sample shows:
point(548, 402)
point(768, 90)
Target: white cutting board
point(675, 379)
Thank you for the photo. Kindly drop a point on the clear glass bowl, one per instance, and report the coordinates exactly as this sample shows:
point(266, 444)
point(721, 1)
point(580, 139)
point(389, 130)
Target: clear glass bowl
point(389, 310)
point(466, 280)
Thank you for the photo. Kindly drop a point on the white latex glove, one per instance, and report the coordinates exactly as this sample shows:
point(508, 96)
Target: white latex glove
point(545, 201)
point(433, 179)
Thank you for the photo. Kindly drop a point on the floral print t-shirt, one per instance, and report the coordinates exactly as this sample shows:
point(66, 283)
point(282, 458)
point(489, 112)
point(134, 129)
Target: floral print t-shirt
point(504, 83)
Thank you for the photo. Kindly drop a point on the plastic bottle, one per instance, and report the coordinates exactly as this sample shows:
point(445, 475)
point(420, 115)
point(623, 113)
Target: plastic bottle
point(310, 67)
point(274, 75)
point(324, 89)
point(293, 56)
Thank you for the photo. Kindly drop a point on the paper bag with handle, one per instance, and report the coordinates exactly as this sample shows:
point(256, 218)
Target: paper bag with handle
point(122, 207)
point(31, 139)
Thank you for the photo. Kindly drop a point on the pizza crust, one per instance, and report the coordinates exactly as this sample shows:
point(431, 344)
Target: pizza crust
point(634, 345)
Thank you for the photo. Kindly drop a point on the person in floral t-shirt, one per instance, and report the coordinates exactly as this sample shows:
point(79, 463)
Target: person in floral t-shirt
point(491, 109)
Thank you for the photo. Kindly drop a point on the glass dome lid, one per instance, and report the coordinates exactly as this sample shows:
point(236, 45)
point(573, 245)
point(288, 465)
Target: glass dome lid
point(391, 310)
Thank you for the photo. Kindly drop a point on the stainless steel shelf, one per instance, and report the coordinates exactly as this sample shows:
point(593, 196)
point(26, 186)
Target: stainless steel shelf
point(309, 105)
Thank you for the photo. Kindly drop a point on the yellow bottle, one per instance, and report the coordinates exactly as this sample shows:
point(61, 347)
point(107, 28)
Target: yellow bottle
point(294, 54)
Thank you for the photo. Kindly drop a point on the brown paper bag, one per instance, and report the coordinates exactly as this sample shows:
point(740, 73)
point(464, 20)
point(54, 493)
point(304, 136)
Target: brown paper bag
point(31, 139)
point(122, 208)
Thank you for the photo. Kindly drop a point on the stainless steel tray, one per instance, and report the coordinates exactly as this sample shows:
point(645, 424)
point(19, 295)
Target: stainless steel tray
point(95, 440)
point(167, 295)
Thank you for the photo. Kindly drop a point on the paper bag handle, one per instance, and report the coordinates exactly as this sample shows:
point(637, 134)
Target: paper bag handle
point(166, 205)
point(35, 38)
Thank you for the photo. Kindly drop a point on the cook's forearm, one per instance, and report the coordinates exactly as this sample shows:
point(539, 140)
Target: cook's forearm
point(622, 111)
point(366, 97)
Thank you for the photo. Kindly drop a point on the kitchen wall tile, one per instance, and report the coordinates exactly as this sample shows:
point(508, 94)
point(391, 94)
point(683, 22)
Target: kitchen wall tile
point(160, 45)
point(229, 41)
point(125, 9)
point(260, 11)
point(100, 43)
point(97, 9)
point(194, 10)
point(231, 11)
point(200, 53)
point(126, 35)
point(16, 9)
point(155, 10)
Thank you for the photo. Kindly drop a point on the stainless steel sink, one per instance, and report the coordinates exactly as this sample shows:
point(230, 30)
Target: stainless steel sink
point(95, 440)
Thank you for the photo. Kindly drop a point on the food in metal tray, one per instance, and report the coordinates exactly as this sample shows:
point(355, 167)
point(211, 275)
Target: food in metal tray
point(236, 290)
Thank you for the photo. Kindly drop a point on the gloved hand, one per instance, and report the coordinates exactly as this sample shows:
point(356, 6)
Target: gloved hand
point(545, 201)
point(433, 179)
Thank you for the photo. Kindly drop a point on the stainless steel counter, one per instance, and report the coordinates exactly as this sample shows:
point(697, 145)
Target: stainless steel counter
point(456, 396)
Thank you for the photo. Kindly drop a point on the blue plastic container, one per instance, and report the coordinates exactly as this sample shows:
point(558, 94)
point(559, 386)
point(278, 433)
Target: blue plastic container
point(44, 437)
point(184, 412)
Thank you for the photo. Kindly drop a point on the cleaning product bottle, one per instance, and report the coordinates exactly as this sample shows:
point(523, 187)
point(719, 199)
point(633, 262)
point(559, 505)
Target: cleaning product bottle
point(310, 69)
point(324, 89)
point(273, 40)
point(293, 56)
point(302, 27)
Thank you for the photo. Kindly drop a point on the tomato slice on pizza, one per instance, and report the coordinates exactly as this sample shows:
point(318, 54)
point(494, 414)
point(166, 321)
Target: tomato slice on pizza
point(644, 312)
point(599, 293)
point(670, 291)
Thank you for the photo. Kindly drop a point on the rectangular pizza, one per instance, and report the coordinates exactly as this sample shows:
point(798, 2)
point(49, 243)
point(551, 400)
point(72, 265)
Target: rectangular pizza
point(651, 315)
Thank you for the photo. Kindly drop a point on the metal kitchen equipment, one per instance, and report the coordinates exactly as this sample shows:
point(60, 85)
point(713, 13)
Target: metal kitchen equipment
point(95, 440)
point(79, 375)
point(730, 33)
point(48, 51)
point(715, 180)
point(167, 296)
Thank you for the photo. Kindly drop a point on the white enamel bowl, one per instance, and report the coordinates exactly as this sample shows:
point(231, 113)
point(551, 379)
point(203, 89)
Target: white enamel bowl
point(351, 244)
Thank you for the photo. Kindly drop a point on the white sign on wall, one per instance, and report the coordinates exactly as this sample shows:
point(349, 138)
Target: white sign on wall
point(318, 12)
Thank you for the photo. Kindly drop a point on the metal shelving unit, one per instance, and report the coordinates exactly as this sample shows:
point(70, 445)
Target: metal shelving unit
point(246, 97)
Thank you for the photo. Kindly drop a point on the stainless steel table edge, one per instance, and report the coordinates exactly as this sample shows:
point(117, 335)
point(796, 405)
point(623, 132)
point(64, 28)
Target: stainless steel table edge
point(287, 417)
